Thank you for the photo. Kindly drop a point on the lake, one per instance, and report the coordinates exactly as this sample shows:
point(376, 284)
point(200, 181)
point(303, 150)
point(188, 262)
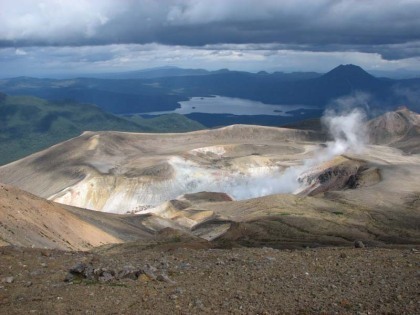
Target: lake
point(230, 105)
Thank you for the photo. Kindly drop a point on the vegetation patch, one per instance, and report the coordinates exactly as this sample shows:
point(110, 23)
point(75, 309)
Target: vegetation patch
point(29, 124)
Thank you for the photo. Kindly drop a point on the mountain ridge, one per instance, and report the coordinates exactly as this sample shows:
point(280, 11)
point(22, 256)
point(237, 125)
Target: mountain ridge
point(234, 184)
point(164, 93)
point(29, 124)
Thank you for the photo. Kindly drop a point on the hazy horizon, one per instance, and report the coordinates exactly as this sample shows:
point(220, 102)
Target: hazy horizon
point(51, 38)
point(392, 74)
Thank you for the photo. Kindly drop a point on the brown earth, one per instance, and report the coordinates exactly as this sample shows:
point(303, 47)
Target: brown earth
point(207, 251)
point(30, 221)
point(400, 129)
point(373, 195)
point(27, 220)
point(133, 161)
point(213, 281)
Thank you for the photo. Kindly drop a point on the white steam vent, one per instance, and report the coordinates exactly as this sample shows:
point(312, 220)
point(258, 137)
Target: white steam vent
point(346, 129)
point(234, 169)
point(255, 181)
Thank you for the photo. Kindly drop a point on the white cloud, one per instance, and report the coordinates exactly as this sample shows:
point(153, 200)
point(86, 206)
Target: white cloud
point(52, 20)
point(296, 24)
point(20, 52)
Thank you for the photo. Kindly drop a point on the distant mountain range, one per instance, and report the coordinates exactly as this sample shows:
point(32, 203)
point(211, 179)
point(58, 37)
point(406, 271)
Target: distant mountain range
point(161, 89)
point(56, 110)
point(168, 71)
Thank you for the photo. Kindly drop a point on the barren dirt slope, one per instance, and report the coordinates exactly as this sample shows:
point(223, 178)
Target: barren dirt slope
point(119, 172)
point(400, 129)
point(373, 196)
point(27, 220)
point(213, 281)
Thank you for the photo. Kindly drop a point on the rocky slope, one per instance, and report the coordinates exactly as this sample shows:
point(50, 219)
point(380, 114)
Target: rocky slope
point(121, 172)
point(337, 174)
point(233, 184)
point(182, 278)
point(27, 220)
point(228, 250)
point(400, 129)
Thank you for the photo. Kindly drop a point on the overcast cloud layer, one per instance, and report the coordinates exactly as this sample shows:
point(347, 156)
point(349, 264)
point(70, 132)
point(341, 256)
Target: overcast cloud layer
point(249, 33)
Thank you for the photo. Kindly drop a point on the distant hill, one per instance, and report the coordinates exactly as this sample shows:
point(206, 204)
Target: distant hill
point(400, 129)
point(114, 96)
point(152, 73)
point(29, 124)
point(170, 71)
point(163, 88)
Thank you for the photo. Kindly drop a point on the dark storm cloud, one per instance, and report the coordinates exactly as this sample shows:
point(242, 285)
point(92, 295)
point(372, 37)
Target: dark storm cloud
point(388, 27)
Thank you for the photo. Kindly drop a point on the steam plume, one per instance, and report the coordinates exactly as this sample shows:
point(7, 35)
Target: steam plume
point(347, 130)
point(345, 124)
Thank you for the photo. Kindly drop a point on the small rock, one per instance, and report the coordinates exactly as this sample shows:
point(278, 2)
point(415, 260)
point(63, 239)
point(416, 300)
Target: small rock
point(199, 304)
point(89, 272)
point(164, 278)
point(8, 279)
point(97, 272)
point(106, 277)
point(150, 267)
point(359, 244)
point(179, 290)
point(129, 273)
point(28, 284)
point(45, 253)
point(78, 268)
point(36, 273)
point(69, 277)
point(75, 272)
point(144, 278)
point(184, 265)
point(149, 272)
point(163, 265)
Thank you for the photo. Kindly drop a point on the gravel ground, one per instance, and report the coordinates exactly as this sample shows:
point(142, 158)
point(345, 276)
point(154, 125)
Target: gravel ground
point(214, 281)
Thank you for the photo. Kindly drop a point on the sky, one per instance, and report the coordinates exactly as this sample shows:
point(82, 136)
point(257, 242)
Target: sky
point(56, 37)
